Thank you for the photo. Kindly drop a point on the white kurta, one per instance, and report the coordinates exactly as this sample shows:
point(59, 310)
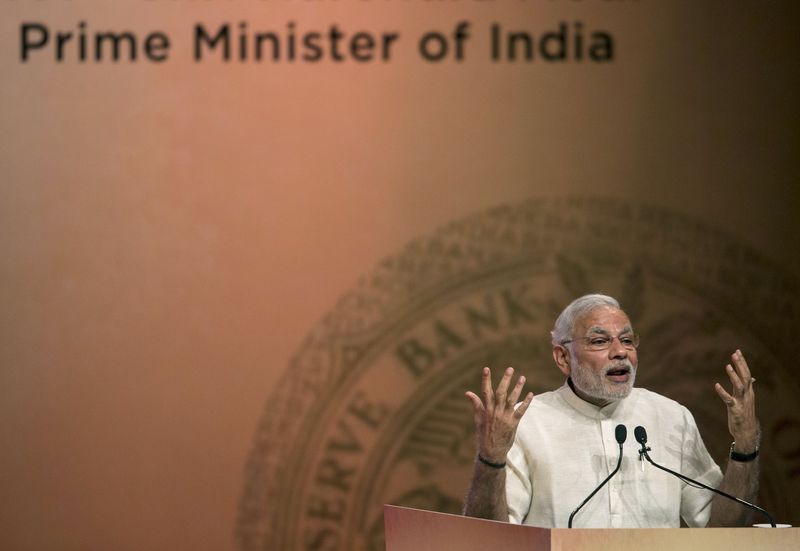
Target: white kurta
point(565, 447)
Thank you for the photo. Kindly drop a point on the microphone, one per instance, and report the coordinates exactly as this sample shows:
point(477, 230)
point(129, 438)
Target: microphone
point(641, 436)
point(620, 433)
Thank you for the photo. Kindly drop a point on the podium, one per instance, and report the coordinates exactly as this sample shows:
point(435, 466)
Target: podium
point(416, 530)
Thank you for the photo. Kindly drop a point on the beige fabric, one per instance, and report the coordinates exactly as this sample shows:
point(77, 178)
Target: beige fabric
point(565, 447)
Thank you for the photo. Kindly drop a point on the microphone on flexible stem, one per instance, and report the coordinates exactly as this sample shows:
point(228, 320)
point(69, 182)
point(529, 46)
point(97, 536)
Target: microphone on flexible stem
point(641, 436)
point(620, 433)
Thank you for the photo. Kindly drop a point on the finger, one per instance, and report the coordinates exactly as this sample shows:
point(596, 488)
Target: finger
point(486, 387)
point(520, 411)
point(738, 386)
point(515, 393)
point(727, 398)
point(502, 387)
point(741, 367)
point(478, 411)
point(477, 404)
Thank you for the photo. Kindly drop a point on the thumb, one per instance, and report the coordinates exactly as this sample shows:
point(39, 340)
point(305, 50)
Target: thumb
point(727, 398)
point(477, 403)
point(477, 406)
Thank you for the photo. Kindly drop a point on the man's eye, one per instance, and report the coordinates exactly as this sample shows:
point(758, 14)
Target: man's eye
point(598, 341)
point(626, 340)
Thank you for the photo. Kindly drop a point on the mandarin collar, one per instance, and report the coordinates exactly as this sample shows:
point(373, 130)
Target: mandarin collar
point(585, 408)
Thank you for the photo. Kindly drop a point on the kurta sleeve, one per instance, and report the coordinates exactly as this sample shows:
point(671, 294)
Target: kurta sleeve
point(519, 492)
point(697, 463)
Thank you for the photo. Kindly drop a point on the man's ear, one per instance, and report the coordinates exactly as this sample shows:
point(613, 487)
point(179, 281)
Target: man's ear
point(561, 356)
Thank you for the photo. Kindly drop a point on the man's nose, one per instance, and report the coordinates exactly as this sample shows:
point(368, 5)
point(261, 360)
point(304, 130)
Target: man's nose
point(616, 350)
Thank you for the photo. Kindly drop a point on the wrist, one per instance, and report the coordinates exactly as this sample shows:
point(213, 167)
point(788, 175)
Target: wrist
point(746, 456)
point(747, 440)
point(744, 446)
point(492, 463)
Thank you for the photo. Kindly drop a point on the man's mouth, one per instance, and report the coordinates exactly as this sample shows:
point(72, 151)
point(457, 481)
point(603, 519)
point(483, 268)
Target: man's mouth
point(619, 374)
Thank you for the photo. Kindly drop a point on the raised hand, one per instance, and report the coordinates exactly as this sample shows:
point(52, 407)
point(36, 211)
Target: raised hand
point(496, 418)
point(741, 403)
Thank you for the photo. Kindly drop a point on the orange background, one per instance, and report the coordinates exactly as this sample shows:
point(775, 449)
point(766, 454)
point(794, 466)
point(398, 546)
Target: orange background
point(171, 232)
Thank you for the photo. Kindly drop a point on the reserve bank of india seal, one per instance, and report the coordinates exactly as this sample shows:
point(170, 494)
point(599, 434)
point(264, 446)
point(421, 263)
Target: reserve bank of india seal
point(371, 409)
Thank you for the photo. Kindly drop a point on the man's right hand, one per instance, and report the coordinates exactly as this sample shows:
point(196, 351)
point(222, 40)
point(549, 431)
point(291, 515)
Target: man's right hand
point(496, 419)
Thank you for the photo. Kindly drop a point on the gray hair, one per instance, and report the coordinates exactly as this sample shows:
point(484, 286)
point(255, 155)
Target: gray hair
point(562, 330)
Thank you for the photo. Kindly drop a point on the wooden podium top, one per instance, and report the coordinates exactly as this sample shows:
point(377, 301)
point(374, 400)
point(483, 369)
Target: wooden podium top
point(416, 530)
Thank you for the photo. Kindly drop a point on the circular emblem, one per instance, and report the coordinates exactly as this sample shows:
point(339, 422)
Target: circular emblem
point(371, 410)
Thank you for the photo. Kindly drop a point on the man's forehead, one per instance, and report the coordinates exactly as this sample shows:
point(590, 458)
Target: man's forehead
point(604, 320)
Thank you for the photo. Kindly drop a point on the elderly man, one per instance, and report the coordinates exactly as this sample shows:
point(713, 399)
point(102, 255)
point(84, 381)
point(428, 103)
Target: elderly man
point(537, 461)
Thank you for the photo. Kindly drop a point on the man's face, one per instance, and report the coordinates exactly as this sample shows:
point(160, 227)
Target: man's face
point(602, 376)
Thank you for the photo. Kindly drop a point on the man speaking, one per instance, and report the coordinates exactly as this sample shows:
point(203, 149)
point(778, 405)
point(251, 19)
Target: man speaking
point(539, 460)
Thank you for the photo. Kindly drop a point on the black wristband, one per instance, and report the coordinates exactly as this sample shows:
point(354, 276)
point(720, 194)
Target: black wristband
point(743, 457)
point(490, 464)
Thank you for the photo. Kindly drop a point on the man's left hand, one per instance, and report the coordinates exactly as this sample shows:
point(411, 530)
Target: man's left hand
point(741, 403)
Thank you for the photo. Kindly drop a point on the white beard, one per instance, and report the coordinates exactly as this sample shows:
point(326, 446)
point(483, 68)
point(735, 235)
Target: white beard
point(598, 387)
